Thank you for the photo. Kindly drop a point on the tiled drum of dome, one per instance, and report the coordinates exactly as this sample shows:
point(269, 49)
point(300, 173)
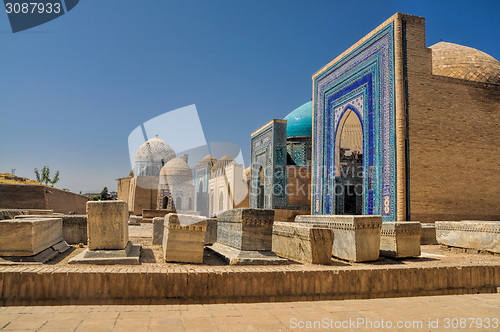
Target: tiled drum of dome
point(363, 82)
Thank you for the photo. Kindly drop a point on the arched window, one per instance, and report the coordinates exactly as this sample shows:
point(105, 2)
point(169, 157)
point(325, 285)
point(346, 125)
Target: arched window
point(221, 200)
point(165, 202)
point(178, 203)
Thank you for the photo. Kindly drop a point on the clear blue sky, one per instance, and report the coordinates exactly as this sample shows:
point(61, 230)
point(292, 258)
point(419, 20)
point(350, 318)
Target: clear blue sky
point(73, 89)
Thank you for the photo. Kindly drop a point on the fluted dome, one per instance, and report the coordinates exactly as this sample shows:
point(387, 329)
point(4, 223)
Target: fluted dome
point(207, 159)
point(177, 171)
point(154, 151)
point(299, 121)
point(464, 62)
point(223, 162)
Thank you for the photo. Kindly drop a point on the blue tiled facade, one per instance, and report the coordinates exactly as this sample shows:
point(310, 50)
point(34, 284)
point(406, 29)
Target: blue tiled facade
point(362, 82)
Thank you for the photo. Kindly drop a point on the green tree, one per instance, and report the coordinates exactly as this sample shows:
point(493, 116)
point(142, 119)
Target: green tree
point(104, 194)
point(44, 176)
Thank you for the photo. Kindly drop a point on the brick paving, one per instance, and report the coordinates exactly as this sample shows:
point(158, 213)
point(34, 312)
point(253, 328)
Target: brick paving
point(285, 316)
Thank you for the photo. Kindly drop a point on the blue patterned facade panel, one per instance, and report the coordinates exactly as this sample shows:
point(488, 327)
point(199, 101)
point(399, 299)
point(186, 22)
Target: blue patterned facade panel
point(361, 82)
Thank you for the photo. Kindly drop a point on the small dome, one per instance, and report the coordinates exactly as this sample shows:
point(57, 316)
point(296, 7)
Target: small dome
point(207, 159)
point(464, 62)
point(299, 122)
point(223, 162)
point(153, 151)
point(177, 171)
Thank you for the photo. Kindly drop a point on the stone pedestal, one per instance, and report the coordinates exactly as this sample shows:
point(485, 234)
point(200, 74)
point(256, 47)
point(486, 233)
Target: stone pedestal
point(357, 238)
point(400, 239)
point(244, 237)
point(107, 225)
point(158, 223)
point(428, 234)
point(303, 242)
point(108, 241)
point(211, 234)
point(184, 244)
point(479, 235)
point(31, 240)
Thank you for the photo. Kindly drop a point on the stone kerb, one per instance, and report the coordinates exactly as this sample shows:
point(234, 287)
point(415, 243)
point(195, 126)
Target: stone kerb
point(246, 229)
point(479, 235)
point(107, 225)
point(29, 236)
point(400, 239)
point(184, 244)
point(303, 242)
point(357, 238)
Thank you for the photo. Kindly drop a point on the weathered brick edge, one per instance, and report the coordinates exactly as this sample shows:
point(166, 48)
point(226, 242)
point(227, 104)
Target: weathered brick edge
point(94, 288)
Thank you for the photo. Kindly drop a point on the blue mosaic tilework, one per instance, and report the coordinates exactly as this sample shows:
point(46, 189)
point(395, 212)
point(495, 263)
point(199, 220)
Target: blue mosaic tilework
point(363, 77)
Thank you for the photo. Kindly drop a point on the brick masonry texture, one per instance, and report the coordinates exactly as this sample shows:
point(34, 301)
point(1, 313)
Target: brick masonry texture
point(453, 131)
point(41, 197)
point(128, 285)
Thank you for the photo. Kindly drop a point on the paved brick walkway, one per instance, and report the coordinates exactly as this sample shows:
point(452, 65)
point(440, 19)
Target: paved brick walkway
point(349, 315)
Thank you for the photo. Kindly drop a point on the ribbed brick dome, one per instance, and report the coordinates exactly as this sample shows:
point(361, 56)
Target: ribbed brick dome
point(464, 62)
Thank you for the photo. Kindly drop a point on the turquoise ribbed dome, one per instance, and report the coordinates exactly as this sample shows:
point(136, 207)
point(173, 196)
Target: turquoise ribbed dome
point(299, 122)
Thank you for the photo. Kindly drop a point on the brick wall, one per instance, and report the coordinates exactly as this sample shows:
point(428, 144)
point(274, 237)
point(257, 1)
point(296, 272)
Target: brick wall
point(14, 196)
point(20, 286)
point(454, 127)
point(299, 183)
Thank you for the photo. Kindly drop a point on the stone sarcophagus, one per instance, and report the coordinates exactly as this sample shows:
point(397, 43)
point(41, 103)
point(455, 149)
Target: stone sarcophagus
point(29, 236)
point(303, 242)
point(428, 234)
point(158, 223)
point(75, 229)
point(479, 235)
point(400, 239)
point(357, 238)
point(31, 240)
point(246, 229)
point(184, 238)
point(211, 234)
point(244, 237)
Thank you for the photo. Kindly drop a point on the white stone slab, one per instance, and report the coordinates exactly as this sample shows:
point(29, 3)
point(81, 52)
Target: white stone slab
point(303, 242)
point(480, 235)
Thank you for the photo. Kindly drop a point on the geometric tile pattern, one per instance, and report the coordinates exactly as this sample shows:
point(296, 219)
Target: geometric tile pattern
point(363, 82)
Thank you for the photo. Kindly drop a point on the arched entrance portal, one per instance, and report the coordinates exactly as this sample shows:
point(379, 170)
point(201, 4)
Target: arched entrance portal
point(165, 202)
point(349, 164)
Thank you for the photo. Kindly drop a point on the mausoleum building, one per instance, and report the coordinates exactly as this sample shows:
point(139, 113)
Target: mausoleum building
point(407, 131)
